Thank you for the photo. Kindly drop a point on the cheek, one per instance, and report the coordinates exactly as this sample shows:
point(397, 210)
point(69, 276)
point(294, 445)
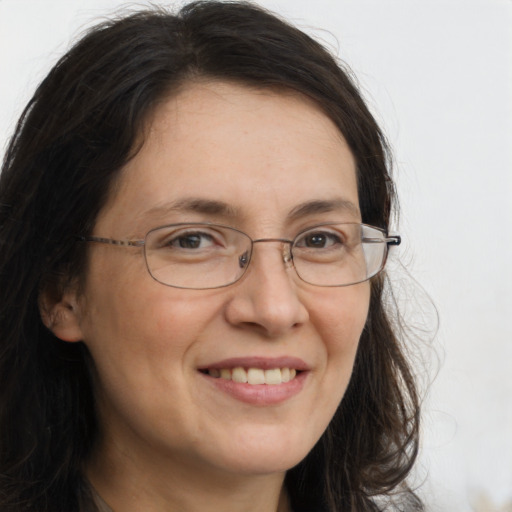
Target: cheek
point(142, 339)
point(340, 315)
point(132, 324)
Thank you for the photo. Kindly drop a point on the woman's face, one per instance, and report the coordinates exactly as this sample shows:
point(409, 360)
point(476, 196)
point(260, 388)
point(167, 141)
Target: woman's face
point(270, 164)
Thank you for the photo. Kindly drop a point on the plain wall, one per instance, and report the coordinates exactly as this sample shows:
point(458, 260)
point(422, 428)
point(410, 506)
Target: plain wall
point(438, 76)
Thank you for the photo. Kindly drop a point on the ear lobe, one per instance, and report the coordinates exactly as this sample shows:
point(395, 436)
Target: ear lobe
point(61, 316)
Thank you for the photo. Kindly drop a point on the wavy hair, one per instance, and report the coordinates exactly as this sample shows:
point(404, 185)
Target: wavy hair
point(84, 122)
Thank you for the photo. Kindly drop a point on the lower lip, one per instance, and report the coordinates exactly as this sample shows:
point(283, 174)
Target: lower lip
point(260, 394)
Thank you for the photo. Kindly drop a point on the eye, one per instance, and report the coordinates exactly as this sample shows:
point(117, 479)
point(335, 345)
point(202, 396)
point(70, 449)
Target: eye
point(191, 240)
point(319, 240)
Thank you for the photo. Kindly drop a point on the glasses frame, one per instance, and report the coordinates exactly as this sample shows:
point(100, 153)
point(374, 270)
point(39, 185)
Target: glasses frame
point(389, 240)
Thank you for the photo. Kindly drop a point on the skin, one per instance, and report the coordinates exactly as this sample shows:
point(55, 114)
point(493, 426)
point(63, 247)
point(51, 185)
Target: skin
point(169, 439)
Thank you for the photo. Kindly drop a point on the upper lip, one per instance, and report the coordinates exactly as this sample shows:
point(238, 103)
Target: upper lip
point(265, 363)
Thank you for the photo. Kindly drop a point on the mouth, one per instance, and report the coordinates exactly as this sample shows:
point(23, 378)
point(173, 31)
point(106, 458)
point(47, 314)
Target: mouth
point(254, 376)
point(258, 381)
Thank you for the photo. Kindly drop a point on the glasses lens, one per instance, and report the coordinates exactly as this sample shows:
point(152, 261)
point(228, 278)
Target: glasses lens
point(339, 254)
point(197, 256)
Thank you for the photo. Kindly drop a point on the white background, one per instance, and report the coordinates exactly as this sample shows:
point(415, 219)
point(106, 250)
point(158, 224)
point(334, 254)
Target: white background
point(438, 75)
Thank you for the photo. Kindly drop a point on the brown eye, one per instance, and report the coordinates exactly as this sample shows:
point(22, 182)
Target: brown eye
point(189, 241)
point(192, 240)
point(318, 240)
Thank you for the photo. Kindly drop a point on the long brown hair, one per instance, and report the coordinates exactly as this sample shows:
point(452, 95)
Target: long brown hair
point(81, 126)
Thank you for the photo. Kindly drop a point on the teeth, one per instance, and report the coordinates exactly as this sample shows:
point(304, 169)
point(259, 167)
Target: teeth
point(239, 375)
point(273, 376)
point(214, 373)
point(255, 376)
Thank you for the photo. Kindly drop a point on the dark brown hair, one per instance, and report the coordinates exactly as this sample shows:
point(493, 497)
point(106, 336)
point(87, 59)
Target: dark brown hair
point(82, 125)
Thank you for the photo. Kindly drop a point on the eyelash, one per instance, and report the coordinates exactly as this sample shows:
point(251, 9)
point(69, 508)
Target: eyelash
point(327, 235)
point(173, 240)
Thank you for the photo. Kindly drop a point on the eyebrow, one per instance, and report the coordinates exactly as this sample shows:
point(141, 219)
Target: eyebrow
point(196, 205)
point(222, 209)
point(324, 206)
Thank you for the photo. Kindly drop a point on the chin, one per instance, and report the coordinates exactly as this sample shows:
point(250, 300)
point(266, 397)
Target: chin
point(263, 465)
point(267, 451)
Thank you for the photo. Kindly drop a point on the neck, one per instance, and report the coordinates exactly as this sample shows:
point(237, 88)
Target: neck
point(128, 483)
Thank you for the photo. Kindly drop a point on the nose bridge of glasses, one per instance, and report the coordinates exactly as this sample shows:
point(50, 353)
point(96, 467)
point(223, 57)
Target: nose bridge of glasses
point(286, 246)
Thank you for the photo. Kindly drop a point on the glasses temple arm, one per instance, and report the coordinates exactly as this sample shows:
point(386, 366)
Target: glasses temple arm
point(110, 241)
point(390, 240)
point(394, 240)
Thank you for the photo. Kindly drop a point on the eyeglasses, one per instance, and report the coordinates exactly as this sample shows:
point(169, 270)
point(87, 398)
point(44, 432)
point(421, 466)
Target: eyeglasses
point(203, 256)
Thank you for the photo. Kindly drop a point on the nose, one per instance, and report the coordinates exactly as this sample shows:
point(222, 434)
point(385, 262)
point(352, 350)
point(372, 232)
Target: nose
point(266, 298)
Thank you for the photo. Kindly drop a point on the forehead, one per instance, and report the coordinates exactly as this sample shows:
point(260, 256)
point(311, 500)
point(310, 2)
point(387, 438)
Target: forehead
point(259, 152)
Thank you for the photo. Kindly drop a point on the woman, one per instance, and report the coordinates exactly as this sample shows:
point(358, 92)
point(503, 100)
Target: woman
point(194, 219)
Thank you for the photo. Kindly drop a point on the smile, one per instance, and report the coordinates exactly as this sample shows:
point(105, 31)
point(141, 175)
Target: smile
point(258, 381)
point(254, 376)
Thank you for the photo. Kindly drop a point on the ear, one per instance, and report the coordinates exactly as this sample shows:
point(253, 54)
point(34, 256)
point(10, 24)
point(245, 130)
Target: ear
point(61, 315)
